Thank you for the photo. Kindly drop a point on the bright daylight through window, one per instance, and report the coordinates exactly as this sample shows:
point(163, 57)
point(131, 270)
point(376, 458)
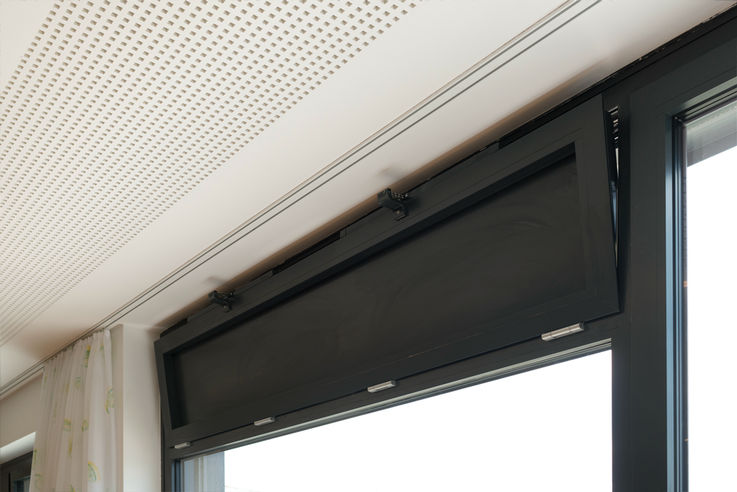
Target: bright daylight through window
point(545, 429)
point(711, 271)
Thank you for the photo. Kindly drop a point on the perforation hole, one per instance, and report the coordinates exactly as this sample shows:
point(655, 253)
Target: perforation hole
point(118, 110)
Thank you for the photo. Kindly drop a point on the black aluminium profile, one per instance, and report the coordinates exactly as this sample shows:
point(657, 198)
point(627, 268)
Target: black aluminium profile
point(13, 470)
point(434, 202)
point(626, 74)
point(647, 336)
point(493, 365)
point(655, 448)
point(372, 234)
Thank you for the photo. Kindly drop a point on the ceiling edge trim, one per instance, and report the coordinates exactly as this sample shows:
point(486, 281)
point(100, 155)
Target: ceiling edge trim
point(518, 45)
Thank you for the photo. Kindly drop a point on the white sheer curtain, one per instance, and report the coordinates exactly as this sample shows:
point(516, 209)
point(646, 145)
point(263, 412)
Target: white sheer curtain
point(75, 441)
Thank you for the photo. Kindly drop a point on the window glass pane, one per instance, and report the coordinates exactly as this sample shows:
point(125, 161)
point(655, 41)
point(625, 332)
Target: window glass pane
point(22, 485)
point(712, 326)
point(711, 134)
point(546, 429)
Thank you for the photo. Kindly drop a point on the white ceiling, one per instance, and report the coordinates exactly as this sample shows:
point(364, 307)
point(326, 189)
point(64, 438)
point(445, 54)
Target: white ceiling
point(151, 150)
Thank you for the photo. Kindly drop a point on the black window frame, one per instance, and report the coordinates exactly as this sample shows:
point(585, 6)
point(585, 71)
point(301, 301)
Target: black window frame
point(572, 148)
point(647, 336)
point(13, 470)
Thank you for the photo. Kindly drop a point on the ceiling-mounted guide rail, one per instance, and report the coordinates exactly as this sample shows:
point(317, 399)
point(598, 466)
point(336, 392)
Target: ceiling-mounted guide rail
point(394, 202)
point(224, 299)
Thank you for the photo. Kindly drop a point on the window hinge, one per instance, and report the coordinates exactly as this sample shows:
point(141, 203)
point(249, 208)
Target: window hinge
point(224, 299)
point(182, 445)
point(562, 332)
point(267, 420)
point(394, 202)
point(382, 386)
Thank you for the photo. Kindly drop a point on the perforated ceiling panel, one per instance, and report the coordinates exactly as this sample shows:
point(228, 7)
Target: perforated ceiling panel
point(119, 108)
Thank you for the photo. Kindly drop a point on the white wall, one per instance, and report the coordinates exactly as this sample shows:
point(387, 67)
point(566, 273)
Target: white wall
point(137, 408)
point(19, 415)
point(137, 411)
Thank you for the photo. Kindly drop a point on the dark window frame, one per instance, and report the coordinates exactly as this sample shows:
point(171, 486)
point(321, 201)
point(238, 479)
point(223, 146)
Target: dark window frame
point(13, 470)
point(647, 337)
point(483, 177)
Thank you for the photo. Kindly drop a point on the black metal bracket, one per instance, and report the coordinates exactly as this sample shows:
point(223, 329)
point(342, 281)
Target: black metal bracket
point(394, 202)
point(224, 299)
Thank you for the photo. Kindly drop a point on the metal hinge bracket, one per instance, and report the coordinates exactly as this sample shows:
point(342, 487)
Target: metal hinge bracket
point(394, 202)
point(224, 299)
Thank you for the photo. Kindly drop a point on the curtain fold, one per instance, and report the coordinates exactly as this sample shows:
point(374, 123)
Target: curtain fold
point(75, 442)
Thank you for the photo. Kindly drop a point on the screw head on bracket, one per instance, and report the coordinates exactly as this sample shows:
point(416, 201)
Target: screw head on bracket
point(394, 202)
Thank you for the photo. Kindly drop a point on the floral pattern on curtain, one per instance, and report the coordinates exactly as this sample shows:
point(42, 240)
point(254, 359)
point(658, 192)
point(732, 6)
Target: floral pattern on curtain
point(75, 441)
